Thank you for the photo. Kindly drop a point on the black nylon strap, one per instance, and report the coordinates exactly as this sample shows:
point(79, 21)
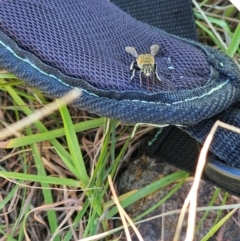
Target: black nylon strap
point(176, 147)
point(172, 16)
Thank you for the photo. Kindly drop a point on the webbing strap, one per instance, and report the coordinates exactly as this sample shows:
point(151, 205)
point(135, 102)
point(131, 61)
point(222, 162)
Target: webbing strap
point(172, 16)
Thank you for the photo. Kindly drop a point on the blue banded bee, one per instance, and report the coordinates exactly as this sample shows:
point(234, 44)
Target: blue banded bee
point(144, 63)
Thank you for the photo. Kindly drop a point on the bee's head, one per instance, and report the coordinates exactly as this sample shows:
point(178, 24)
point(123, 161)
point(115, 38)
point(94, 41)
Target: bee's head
point(147, 69)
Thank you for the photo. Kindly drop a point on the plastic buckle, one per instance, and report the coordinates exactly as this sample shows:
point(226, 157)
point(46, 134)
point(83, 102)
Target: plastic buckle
point(224, 175)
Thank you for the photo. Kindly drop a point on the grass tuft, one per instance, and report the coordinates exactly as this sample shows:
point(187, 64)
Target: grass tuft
point(55, 171)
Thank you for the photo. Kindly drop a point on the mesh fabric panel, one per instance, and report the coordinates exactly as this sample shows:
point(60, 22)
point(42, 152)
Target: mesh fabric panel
point(59, 45)
point(83, 46)
point(93, 41)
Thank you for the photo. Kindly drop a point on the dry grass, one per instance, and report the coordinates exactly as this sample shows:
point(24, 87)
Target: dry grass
point(24, 211)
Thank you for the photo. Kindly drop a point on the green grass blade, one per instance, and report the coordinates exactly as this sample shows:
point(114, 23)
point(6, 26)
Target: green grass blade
point(15, 82)
point(40, 178)
point(163, 200)
point(77, 220)
point(214, 197)
point(8, 197)
point(6, 236)
point(74, 147)
point(48, 199)
point(49, 135)
point(8, 76)
point(70, 166)
point(219, 212)
point(219, 22)
point(97, 179)
point(217, 226)
point(210, 33)
point(149, 189)
point(235, 42)
point(38, 124)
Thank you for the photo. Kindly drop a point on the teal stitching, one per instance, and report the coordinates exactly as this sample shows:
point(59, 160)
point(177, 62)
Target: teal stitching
point(210, 92)
point(142, 101)
point(35, 67)
point(150, 143)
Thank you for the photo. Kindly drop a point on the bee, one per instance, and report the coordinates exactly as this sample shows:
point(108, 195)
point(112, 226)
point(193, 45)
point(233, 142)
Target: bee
point(144, 63)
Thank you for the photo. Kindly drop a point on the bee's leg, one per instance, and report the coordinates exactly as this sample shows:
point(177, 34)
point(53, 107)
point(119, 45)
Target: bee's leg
point(140, 77)
point(133, 69)
point(156, 73)
point(157, 76)
point(133, 74)
point(132, 66)
point(153, 78)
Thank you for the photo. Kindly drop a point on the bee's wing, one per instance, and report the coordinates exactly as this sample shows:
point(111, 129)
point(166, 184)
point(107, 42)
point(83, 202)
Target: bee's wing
point(132, 51)
point(154, 49)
